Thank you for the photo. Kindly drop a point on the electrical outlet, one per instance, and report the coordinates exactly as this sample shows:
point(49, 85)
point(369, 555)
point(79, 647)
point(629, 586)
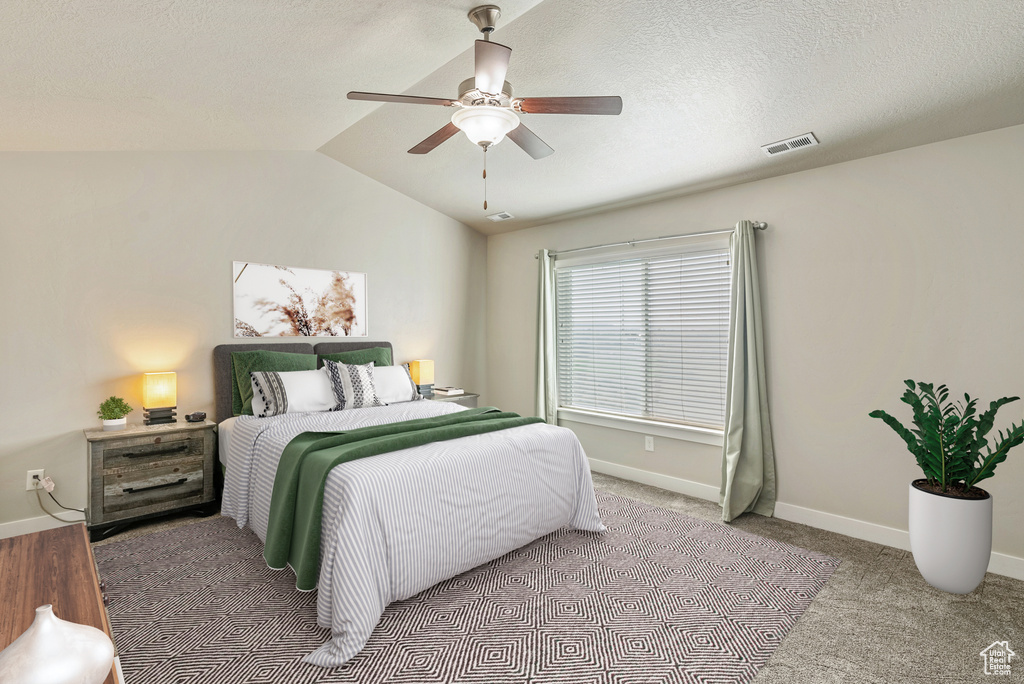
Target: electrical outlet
point(31, 482)
point(648, 443)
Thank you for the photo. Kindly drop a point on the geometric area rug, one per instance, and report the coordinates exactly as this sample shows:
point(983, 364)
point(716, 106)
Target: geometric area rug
point(659, 597)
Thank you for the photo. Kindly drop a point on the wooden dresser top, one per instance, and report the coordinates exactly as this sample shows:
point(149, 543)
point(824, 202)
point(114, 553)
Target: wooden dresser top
point(55, 567)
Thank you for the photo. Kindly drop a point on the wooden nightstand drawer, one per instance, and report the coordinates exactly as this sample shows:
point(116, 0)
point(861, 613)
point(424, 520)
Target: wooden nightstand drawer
point(141, 449)
point(144, 488)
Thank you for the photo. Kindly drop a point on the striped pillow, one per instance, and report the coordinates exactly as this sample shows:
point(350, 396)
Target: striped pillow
point(269, 395)
point(353, 385)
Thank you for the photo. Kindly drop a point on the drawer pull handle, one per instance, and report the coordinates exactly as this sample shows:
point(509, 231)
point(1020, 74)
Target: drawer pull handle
point(156, 452)
point(131, 490)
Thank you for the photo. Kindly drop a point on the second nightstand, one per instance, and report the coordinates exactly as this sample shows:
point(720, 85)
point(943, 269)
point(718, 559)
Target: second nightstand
point(468, 399)
point(148, 470)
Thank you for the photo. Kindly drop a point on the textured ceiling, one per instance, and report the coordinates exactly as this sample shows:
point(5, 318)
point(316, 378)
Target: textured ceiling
point(704, 83)
point(209, 74)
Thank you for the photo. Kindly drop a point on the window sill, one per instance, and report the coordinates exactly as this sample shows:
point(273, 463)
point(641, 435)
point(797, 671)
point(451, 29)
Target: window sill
point(647, 427)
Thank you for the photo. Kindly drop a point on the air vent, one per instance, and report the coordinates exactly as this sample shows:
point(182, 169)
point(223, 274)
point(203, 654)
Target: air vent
point(783, 146)
point(500, 216)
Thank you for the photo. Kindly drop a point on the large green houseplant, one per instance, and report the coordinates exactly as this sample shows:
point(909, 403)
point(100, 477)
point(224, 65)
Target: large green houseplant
point(948, 438)
point(950, 517)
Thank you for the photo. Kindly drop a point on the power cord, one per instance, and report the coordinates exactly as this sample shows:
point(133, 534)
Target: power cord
point(48, 485)
point(63, 506)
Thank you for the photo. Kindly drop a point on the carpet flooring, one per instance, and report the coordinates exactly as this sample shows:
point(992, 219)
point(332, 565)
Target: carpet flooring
point(659, 597)
point(876, 621)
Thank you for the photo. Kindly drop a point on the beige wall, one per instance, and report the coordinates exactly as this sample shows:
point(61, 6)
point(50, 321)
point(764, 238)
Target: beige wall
point(120, 263)
point(904, 265)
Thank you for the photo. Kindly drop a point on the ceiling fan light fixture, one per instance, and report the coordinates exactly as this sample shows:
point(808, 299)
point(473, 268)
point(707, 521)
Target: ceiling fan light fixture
point(485, 125)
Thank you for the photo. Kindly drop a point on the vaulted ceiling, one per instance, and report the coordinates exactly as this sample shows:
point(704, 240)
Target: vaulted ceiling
point(210, 74)
point(704, 84)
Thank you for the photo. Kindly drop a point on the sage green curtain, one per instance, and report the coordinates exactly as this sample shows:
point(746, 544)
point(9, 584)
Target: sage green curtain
point(748, 457)
point(547, 402)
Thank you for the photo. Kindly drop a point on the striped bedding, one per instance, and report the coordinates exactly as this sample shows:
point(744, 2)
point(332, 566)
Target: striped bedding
point(398, 523)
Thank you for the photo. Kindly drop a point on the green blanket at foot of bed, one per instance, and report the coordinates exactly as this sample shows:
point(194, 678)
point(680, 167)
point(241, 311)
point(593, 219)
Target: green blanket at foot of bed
point(293, 530)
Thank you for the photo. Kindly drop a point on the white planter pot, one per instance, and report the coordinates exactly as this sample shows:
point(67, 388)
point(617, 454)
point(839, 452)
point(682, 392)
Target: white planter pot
point(55, 651)
point(951, 539)
point(116, 424)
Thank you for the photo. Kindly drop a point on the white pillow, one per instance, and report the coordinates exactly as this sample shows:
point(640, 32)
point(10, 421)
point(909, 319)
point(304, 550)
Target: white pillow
point(394, 384)
point(275, 393)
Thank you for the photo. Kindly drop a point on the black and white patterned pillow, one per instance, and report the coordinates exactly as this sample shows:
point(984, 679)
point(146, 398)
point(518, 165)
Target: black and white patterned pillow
point(269, 395)
point(275, 393)
point(353, 385)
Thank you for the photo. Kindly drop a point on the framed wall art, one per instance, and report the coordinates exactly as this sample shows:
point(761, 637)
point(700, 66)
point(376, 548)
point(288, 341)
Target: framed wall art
point(281, 301)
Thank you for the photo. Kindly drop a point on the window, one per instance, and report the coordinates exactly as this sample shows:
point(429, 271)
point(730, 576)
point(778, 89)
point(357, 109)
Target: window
point(645, 336)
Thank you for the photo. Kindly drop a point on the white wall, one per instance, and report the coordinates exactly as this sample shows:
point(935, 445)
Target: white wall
point(904, 265)
point(114, 264)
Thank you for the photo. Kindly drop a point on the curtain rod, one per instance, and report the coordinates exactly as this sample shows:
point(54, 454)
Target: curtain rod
point(758, 225)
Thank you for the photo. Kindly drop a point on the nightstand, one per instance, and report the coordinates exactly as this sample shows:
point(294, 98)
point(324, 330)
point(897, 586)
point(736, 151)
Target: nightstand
point(146, 471)
point(468, 399)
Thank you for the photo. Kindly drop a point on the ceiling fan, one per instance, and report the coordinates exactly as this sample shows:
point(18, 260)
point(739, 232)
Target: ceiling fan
point(485, 109)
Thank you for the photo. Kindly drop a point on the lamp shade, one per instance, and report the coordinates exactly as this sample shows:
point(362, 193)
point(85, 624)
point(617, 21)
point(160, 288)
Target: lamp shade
point(485, 125)
point(422, 371)
point(159, 390)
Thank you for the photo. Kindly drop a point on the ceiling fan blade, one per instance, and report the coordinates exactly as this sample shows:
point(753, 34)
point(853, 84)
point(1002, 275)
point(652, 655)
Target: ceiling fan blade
point(528, 140)
point(404, 99)
point(611, 104)
point(491, 66)
point(435, 139)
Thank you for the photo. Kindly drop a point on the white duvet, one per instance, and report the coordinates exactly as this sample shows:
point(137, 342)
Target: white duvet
point(398, 523)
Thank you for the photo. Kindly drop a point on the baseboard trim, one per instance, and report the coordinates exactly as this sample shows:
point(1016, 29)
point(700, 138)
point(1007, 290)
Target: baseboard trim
point(672, 484)
point(1006, 565)
point(999, 564)
point(851, 527)
point(29, 525)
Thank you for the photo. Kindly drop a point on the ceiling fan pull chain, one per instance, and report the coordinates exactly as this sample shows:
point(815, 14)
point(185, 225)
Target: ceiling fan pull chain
point(485, 179)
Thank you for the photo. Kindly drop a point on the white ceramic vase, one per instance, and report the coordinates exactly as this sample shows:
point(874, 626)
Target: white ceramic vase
point(116, 424)
point(951, 539)
point(55, 651)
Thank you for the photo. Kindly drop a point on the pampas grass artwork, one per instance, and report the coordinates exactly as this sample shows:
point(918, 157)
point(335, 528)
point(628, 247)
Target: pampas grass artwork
point(277, 301)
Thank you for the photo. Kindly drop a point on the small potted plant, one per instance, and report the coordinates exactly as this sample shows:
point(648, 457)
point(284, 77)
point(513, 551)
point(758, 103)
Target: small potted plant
point(113, 412)
point(950, 518)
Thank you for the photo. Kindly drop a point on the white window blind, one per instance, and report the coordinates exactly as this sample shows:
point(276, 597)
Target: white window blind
point(645, 337)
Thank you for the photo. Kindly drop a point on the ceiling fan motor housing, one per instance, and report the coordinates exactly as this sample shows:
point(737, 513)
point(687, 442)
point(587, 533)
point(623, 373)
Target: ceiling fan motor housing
point(469, 95)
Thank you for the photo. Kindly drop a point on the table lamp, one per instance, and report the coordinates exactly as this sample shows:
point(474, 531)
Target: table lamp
point(422, 372)
point(159, 398)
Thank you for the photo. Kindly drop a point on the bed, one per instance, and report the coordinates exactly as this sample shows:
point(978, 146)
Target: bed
point(398, 523)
